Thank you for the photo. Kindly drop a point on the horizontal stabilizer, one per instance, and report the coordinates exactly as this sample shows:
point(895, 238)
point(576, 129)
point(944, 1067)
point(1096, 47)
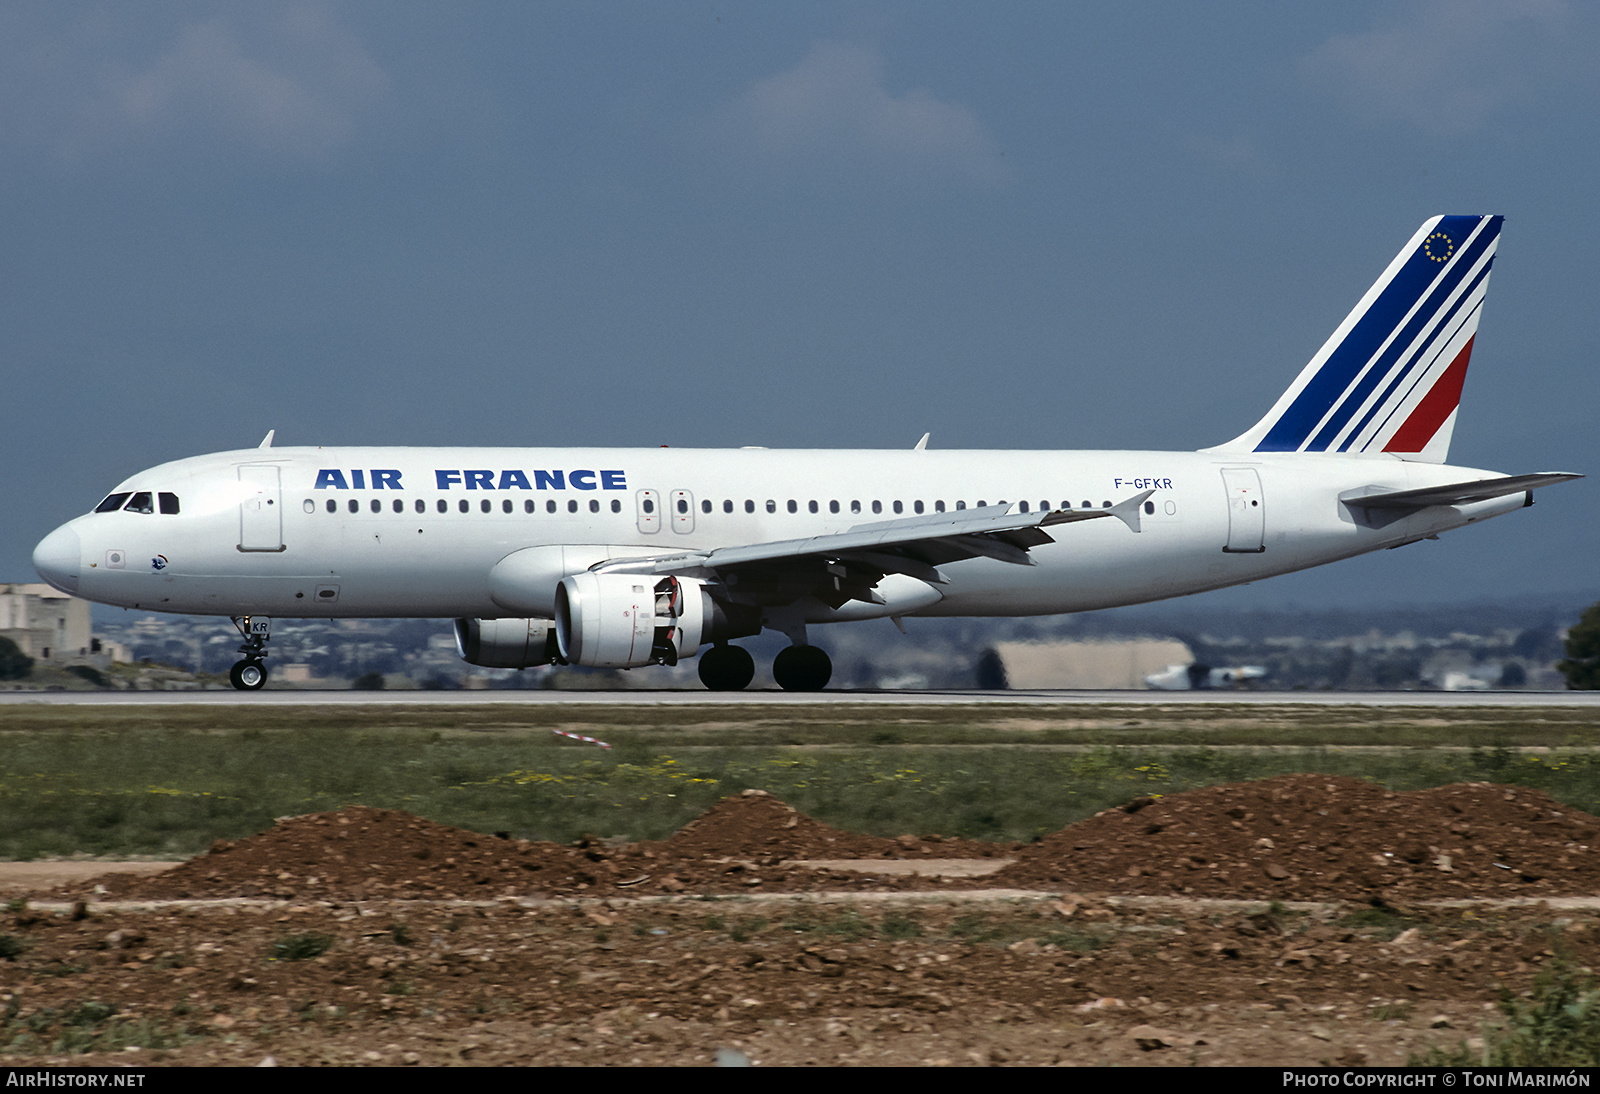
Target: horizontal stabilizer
point(1459, 493)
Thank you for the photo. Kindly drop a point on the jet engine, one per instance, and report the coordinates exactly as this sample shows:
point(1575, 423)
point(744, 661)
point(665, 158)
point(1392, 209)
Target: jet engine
point(626, 620)
point(506, 643)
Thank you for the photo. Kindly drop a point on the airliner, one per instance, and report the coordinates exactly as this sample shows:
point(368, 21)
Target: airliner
point(625, 558)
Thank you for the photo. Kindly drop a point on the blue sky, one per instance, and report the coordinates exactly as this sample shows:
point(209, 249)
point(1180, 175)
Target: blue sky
point(822, 225)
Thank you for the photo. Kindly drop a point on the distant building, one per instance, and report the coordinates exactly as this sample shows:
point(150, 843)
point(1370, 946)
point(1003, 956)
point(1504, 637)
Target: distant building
point(47, 625)
point(1088, 665)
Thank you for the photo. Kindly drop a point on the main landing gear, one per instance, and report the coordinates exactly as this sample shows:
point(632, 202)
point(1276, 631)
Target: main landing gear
point(727, 668)
point(802, 668)
point(251, 674)
point(798, 668)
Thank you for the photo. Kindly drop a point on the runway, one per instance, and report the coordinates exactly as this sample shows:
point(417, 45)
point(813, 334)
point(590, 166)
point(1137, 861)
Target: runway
point(687, 698)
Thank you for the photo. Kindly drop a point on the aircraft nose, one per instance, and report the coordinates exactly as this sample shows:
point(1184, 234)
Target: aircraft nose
point(58, 559)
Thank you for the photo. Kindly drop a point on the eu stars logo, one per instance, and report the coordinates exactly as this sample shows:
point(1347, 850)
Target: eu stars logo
point(1439, 247)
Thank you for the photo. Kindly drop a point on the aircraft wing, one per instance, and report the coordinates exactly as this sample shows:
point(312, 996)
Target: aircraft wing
point(844, 566)
point(1459, 493)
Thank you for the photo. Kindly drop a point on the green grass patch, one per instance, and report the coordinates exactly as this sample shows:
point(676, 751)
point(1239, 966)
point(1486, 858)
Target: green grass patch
point(1557, 1025)
point(167, 781)
point(300, 947)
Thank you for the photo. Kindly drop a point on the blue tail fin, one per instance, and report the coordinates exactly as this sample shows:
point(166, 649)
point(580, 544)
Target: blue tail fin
point(1389, 379)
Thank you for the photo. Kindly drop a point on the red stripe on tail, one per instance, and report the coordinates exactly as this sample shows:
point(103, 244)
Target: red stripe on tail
point(1435, 407)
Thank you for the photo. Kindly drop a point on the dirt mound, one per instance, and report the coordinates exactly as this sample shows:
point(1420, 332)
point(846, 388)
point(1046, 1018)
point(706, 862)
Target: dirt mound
point(353, 853)
point(1299, 837)
point(757, 824)
point(1309, 837)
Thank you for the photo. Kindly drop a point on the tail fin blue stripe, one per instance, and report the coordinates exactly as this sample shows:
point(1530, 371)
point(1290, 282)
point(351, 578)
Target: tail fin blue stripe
point(1425, 316)
point(1359, 346)
point(1426, 353)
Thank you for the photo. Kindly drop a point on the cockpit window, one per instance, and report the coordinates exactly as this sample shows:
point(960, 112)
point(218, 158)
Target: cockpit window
point(140, 503)
point(169, 502)
point(112, 503)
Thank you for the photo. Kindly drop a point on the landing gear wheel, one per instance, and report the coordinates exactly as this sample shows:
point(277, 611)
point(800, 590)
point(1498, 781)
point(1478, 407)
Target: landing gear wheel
point(727, 668)
point(802, 668)
point(248, 675)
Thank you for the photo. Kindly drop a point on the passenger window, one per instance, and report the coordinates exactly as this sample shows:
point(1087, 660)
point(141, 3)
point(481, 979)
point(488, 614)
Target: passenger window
point(550, 506)
point(483, 505)
point(983, 504)
point(594, 505)
point(1087, 504)
point(354, 506)
point(169, 503)
point(333, 506)
point(938, 507)
point(647, 505)
point(727, 506)
point(877, 507)
point(812, 506)
point(855, 506)
point(111, 504)
point(793, 508)
point(683, 506)
point(399, 506)
point(310, 506)
point(616, 506)
point(505, 506)
point(916, 507)
point(961, 505)
point(749, 506)
point(1044, 507)
point(140, 503)
point(1149, 508)
point(444, 506)
point(572, 506)
point(772, 506)
point(898, 508)
point(833, 507)
point(1023, 508)
point(528, 506)
point(462, 506)
point(422, 506)
point(377, 506)
point(705, 506)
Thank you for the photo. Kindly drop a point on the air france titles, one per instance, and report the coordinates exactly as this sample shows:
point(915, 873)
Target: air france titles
point(475, 479)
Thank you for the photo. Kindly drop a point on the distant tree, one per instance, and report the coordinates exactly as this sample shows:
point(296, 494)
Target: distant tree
point(1582, 664)
point(1513, 675)
point(369, 681)
point(14, 664)
point(90, 674)
point(991, 671)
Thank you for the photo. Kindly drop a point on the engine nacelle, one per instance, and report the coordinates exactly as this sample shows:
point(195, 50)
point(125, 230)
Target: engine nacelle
point(626, 620)
point(506, 643)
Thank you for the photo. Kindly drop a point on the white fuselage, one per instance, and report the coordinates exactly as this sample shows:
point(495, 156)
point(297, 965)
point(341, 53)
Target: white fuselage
point(331, 532)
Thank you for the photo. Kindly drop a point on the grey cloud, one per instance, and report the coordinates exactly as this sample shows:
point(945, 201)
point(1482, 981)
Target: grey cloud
point(277, 82)
point(834, 106)
point(1445, 67)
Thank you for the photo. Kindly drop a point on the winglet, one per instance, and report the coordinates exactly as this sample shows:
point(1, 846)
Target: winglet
point(266, 442)
point(922, 444)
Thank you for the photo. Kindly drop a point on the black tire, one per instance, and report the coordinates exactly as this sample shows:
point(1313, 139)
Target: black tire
point(727, 668)
point(802, 668)
point(248, 675)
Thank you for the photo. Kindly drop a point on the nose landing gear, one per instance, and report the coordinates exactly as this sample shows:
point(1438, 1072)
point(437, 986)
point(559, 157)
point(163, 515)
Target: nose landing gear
point(251, 674)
